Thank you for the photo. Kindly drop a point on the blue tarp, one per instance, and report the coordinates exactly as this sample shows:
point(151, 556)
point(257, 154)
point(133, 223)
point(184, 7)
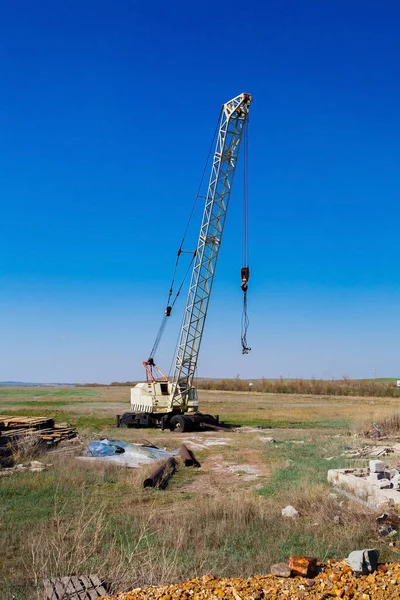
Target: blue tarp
point(124, 454)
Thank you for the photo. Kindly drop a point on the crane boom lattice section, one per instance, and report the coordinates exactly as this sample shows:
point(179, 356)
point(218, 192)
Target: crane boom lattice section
point(233, 119)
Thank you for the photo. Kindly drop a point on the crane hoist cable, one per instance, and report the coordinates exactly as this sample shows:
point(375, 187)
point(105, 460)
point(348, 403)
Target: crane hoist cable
point(169, 306)
point(245, 270)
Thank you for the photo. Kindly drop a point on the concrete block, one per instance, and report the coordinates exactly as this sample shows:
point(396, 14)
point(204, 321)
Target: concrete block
point(365, 489)
point(376, 466)
point(395, 481)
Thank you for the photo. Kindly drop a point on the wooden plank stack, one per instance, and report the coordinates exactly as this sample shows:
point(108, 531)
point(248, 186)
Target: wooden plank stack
point(16, 430)
point(85, 587)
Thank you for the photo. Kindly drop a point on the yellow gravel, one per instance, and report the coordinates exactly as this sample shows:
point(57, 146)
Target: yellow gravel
point(335, 580)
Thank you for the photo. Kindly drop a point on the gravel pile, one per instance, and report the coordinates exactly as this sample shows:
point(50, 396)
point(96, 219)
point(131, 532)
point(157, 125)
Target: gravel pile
point(334, 580)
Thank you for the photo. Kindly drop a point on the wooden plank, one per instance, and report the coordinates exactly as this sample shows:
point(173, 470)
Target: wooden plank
point(69, 588)
point(98, 585)
point(87, 584)
point(59, 588)
point(77, 585)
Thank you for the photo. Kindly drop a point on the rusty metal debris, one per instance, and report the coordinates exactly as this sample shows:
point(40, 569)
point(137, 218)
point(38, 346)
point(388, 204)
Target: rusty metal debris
point(188, 457)
point(160, 476)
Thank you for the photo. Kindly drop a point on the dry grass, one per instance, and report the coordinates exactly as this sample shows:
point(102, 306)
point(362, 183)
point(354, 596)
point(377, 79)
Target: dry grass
point(236, 535)
point(385, 420)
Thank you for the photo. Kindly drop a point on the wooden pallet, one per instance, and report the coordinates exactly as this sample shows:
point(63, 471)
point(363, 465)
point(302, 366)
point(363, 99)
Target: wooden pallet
point(85, 587)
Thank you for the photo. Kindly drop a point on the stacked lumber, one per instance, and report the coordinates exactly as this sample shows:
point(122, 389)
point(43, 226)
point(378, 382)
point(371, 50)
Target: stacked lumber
point(14, 430)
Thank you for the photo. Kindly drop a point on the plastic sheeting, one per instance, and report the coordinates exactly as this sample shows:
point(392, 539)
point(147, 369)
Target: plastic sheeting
point(125, 454)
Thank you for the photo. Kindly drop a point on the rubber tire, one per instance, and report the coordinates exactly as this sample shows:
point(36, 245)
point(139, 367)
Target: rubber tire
point(180, 424)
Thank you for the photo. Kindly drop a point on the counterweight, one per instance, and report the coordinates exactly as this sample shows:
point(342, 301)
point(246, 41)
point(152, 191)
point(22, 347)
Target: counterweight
point(233, 119)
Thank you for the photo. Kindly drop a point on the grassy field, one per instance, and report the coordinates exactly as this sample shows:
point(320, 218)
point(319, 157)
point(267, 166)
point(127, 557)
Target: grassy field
point(224, 518)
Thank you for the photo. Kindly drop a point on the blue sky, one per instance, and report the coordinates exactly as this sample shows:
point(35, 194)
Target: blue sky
point(107, 110)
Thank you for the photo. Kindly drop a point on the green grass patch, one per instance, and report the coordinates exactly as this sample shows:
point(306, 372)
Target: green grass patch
point(286, 424)
point(41, 392)
point(304, 465)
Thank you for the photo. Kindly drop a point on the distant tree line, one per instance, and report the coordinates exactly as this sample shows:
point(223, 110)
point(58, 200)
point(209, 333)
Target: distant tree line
point(324, 387)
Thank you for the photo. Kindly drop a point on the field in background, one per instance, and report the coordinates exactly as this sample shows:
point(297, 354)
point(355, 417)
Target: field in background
point(223, 518)
point(385, 386)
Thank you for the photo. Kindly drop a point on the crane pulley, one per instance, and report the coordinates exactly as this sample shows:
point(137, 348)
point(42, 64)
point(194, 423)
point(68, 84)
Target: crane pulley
point(245, 270)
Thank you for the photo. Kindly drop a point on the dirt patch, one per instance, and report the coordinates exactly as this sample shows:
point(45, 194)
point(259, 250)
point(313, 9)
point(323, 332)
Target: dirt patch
point(200, 442)
point(238, 461)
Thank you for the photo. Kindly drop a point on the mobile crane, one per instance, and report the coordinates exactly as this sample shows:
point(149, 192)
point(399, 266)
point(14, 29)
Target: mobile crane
point(173, 404)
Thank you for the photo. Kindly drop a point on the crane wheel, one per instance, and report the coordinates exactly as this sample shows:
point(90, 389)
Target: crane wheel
point(180, 423)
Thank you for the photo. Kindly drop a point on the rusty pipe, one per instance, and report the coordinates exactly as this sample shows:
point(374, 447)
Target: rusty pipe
point(160, 475)
point(186, 456)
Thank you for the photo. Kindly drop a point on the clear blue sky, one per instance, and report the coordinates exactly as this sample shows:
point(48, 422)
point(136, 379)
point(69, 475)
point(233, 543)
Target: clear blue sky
point(107, 110)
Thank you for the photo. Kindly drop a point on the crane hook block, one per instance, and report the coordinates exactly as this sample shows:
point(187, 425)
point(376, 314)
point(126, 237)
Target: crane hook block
point(245, 275)
point(168, 311)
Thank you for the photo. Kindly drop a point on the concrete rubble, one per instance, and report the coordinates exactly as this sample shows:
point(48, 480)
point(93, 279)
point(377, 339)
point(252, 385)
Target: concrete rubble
point(376, 485)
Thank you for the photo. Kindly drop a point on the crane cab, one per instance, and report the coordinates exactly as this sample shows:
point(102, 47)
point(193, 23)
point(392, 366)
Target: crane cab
point(151, 396)
point(157, 397)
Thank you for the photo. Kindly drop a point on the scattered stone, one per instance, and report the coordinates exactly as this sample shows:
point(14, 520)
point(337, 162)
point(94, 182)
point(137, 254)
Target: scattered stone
point(268, 440)
point(335, 579)
point(363, 561)
point(303, 566)
point(281, 570)
point(290, 511)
